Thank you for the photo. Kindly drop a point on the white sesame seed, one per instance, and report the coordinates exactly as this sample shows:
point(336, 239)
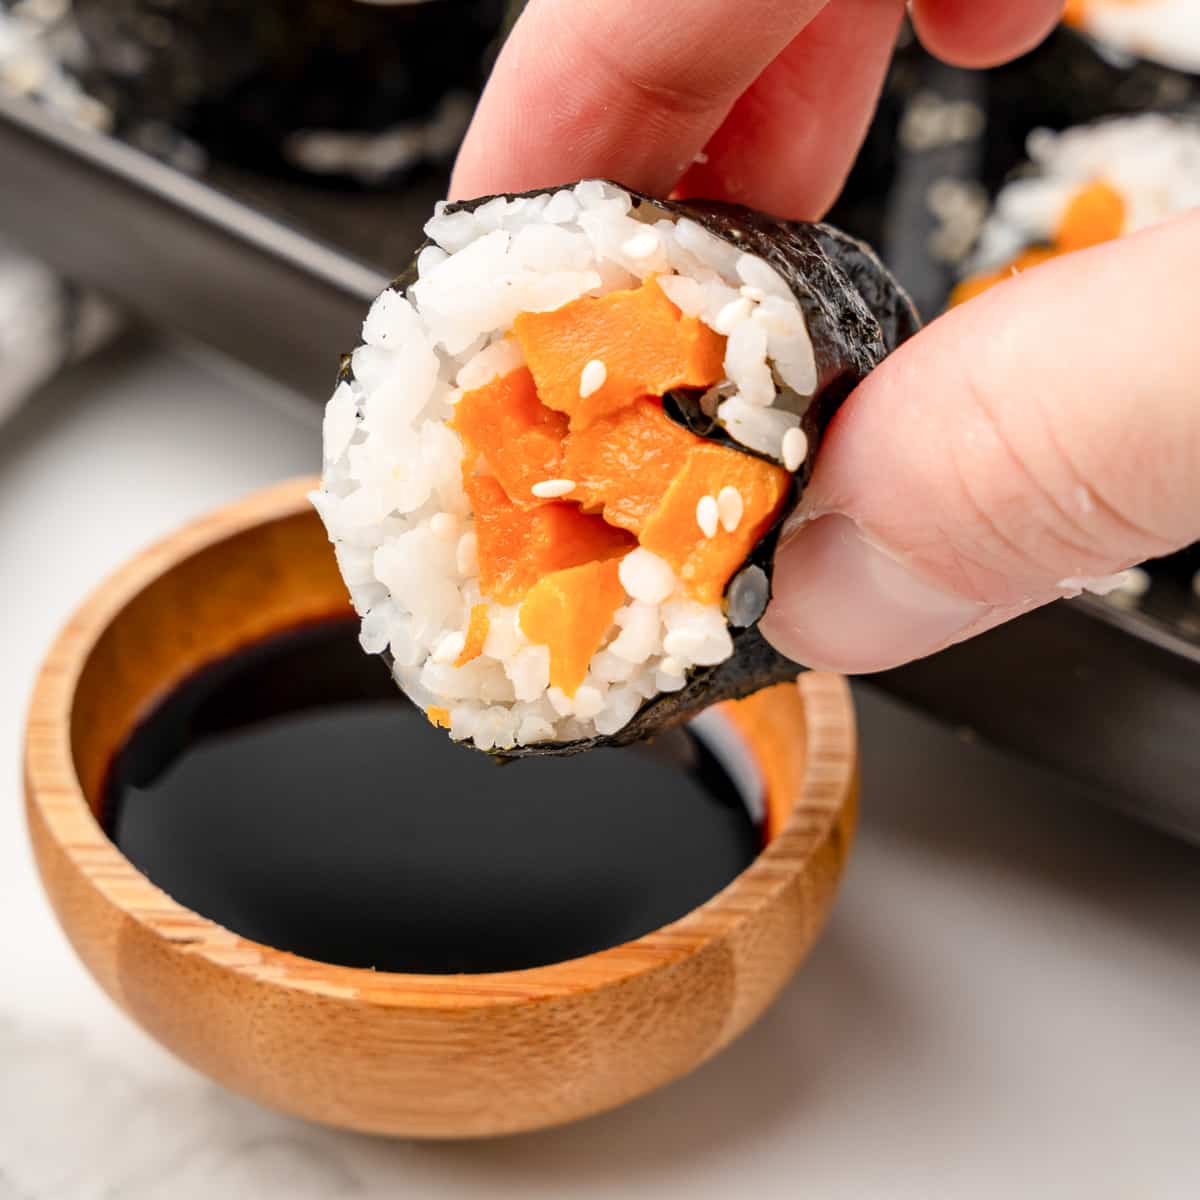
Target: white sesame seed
point(795, 448)
point(591, 378)
point(641, 245)
point(646, 577)
point(731, 315)
point(730, 507)
point(449, 648)
point(551, 489)
point(466, 554)
point(443, 525)
point(707, 516)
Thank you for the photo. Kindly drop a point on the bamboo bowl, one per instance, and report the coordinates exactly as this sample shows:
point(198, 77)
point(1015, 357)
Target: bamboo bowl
point(416, 1055)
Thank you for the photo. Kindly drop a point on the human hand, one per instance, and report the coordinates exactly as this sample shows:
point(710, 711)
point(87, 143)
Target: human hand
point(777, 94)
point(1043, 434)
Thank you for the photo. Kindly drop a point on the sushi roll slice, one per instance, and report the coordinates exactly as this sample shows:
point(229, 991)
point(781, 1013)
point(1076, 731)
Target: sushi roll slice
point(1161, 31)
point(556, 468)
point(1085, 186)
point(353, 92)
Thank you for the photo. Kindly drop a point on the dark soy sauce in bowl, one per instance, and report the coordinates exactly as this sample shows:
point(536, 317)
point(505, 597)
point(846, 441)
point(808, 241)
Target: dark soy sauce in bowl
point(291, 794)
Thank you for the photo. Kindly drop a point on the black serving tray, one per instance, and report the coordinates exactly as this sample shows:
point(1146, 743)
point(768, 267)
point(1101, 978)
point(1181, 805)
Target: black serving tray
point(278, 274)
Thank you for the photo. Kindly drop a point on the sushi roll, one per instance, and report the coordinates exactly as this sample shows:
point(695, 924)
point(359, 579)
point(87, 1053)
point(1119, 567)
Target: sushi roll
point(1085, 186)
point(1079, 75)
point(1160, 31)
point(349, 91)
point(556, 468)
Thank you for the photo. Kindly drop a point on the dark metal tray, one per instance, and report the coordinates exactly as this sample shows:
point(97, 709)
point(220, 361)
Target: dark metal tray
point(279, 274)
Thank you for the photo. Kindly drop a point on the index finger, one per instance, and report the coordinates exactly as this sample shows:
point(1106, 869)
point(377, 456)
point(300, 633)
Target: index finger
point(617, 88)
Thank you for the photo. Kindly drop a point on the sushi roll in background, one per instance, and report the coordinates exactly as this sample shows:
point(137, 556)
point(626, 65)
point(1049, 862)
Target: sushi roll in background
point(1085, 186)
point(349, 91)
point(1082, 187)
point(945, 140)
point(1160, 31)
point(1087, 69)
point(556, 469)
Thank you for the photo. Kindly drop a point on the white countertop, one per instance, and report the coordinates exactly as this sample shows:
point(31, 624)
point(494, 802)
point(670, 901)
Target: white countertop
point(1006, 1002)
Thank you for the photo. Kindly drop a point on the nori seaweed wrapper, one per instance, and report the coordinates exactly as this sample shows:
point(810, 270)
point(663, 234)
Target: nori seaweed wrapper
point(241, 79)
point(856, 314)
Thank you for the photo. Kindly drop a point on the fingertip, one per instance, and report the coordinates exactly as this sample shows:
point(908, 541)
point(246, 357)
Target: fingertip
point(843, 604)
point(983, 33)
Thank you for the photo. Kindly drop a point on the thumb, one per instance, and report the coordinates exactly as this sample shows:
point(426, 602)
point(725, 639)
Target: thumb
point(1039, 437)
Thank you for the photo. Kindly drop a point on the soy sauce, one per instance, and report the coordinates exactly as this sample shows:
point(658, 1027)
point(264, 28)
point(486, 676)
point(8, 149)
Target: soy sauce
point(290, 793)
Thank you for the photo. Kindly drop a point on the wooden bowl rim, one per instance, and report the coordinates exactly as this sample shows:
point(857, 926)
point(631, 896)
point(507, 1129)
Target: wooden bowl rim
point(823, 709)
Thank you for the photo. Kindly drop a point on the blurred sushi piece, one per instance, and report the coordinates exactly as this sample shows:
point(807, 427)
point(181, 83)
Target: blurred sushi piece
point(40, 53)
point(1085, 186)
point(349, 91)
point(46, 322)
point(1082, 187)
point(1109, 57)
point(1166, 32)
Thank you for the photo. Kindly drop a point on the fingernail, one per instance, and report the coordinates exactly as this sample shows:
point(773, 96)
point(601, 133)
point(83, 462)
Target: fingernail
point(841, 604)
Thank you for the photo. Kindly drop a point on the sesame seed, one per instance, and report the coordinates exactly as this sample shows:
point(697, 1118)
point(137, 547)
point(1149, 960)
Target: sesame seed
point(641, 245)
point(730, 507)
point(707, 516)
point(591, 378)
point(795, 448)
point(466, 554)
point(551, 489)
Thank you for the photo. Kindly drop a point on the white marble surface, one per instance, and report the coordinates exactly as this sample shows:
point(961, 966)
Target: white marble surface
point(1006, 1003)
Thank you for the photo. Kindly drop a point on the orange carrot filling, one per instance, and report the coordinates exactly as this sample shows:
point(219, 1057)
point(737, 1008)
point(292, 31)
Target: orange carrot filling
point(519, 438)
point(704, 563)
point(563, 485)
point(976, 285)
point(645, 344)
point(623, 464)
point(518, 546)
point(1095, 214)
point(570, 612)
point(438, 716)
point(477, 631)
point(1076, 12)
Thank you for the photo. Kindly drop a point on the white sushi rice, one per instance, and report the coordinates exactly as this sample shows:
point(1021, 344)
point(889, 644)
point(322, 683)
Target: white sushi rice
point(1164, 31)
point(1152, 160)
point(392, 495)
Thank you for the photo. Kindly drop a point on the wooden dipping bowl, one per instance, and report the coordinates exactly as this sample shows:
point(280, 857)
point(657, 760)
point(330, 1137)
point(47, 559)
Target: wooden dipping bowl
point(416, 1055)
